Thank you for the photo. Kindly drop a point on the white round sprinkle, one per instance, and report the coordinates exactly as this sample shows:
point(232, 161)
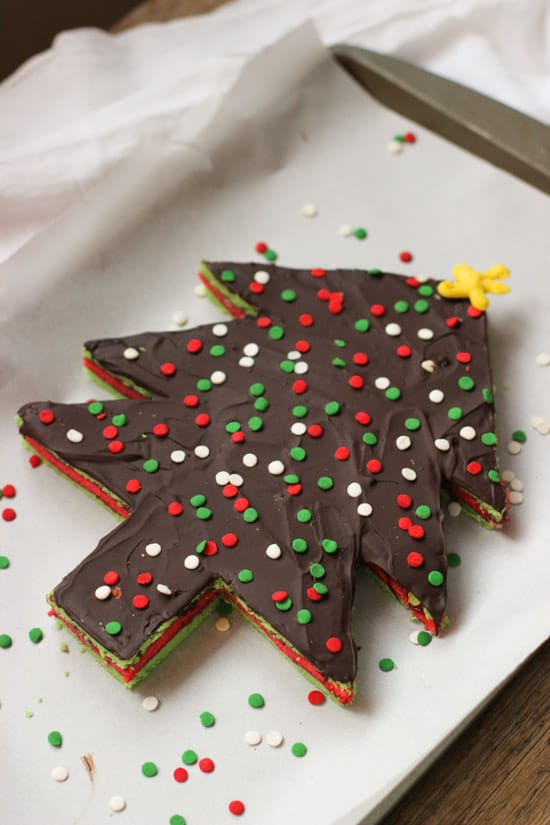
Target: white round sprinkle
point(408, 474)
point(354, 489)
point(382, 383)
point(543, 428)
point(517, 485)
point(191, 562)
point(60, 774)
point(536, 420)
point(202, 451)
point(274, 738)
point(516, 497)
point(74, 436)
point(364, 509)
point(345, 230)
point(222, 624)
point(276, 468)
point(513, 447)
point(467, 433)
point(117, 803)
point(436, 396)
point(507, 476)
point(222, 478)
point(164, 589)
point(309, 210)
point(103, 592)
point(236, 479)
point(179, 318)
point(218, 377)
point(442, 444)
point(402, 442)
point(153, 549)
point(301, 367)
point(421, 278)
point(150, 703)
point(543, 359)
point(131, 353)
point(177, 456)
point(220, 330)
point(428, 365)
point(250, 460)
point(253, 737)
point(294, 355)
point(251, 349)
point(425, 334)
point(454, 508)
point(200, 290)
point(262, 277)
point(298, 428)
point(395, 147)
point(273, 551)
point(246, 361)
point(393, 330)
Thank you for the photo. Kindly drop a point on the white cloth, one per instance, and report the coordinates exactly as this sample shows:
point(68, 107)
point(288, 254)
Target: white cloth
point(70, 114)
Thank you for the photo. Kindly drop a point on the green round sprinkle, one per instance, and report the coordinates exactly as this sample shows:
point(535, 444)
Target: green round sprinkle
point(332, 408)
point(224, 608)
point(399, 139)
point(55, 739)
point(261, 404)
point(4, 562)
point(204, 513)
point(119, 420)
point(436, 578)
point(489, 439)
point(374, 271)
point(299, 545)
point(362, 325)
point(291, 478)
point(320, 588)
point(412, 424)
point(487, 395)
point(204, 384)
point(217, 350)
point(298, 749)
point(299, 411)
point(256, 389)
point(285, 605)
point(256, 700)
point(455, 413)
point(401, 306)
point(494, 476)
point(177, 819)
point(520, 436)
point(276, 333)
point(304, 516)
point(5, 640)
point(360, 233)
point(454, 560)
point(288, 295)
point(151, 465)
point(303, 616)
point(113, 628)
point(423, 511)
point(250, 515)
point(228, 276)
point(189, 757)
point(393, 393)
point(245, 575)
point(317, 570)
point(232, 427)
point(95, 407)
point(340, 342)
point(426, 290)
point(466, 383)
point(424, 638)
point(255, 423)
point(421, 306)
point(287, 366)
point(370, 438)
point(298, 453)
point(197, 500)
point(338, 362)
point(270, 255)
point(325, 483)
point(386, 665)
point(201, 546)
point(329, 545)
point(35, 635)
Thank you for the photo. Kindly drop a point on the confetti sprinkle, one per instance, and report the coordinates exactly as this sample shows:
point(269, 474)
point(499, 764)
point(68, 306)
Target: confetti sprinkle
point(345, 230)
point(309, 210)
point(543, 359)
point(516, 497)
point(149, 769)
point(222, 624)
point(177, 819)
point(36, 635)
point(236, 807)
point(386, 665)
point(207, 719)
point(274, 738)
point(60, 774)
point(298, 749)
point(513, 447)
point(395, 147)
point(252, 737)
point(179, 318)
point(55, 739)
point(117, 803)
point(5, 640)
point(315, 697)
point(256, 700)
point(4, 562)
point(150, 703)
point(189, 757)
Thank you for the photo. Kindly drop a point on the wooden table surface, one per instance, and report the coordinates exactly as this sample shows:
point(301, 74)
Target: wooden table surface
point(498, 771)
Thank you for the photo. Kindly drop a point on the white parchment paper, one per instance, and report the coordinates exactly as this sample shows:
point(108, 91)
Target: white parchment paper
point(294, 129)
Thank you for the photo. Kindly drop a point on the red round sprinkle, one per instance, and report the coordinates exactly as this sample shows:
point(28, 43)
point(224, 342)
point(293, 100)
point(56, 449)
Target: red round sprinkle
point(279, 595)
point(474, 468)
point(8, 490)
point(404, 501)
point(210, 548)
point(133, 485)
point(360, 358)
point(415, 559)
point(46, 416)
point(241, 504)
point(230, 490)
point(299, 386)
point(313, 595)
point(315, 697)
point(140, 601)
point(333, 644)
point(144, 578)
point(305, 319)
point(405, 257)
point(9, 514)
point(315, 430)
point(474, 313)
point(409, 137)
point(378, 310)
point(294, 489)
point(35, 461)
point(404, 523)
point(236, 807)
point(238, 437)
point(414, 282)
point(335, 306)
point(453, 322)
point(110, 431)
point(111, 577)
point(356, 382)
point(463, 357)
point(229, 539)
point(206, 765)
point(115, 446)
point(261, 247)
point(302, 345)
point(342, 454)
point(404, 351)
point(374, 465)
point(194, 345)
point(168, 368)
point(191, 400)
point(100, 416)
point(255, 288)
point(324, 294)
point(175, 508)
point(161, 430)
point(318, 273)
point(416, 531)
point(180, 775)
point(263, 322)
point(362, 417)
point(202, 420)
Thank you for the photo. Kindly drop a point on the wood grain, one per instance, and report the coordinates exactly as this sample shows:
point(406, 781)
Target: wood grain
point(498, 771)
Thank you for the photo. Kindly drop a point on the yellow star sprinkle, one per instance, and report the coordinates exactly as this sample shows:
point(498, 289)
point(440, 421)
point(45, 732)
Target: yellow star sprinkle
point(468, 283)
